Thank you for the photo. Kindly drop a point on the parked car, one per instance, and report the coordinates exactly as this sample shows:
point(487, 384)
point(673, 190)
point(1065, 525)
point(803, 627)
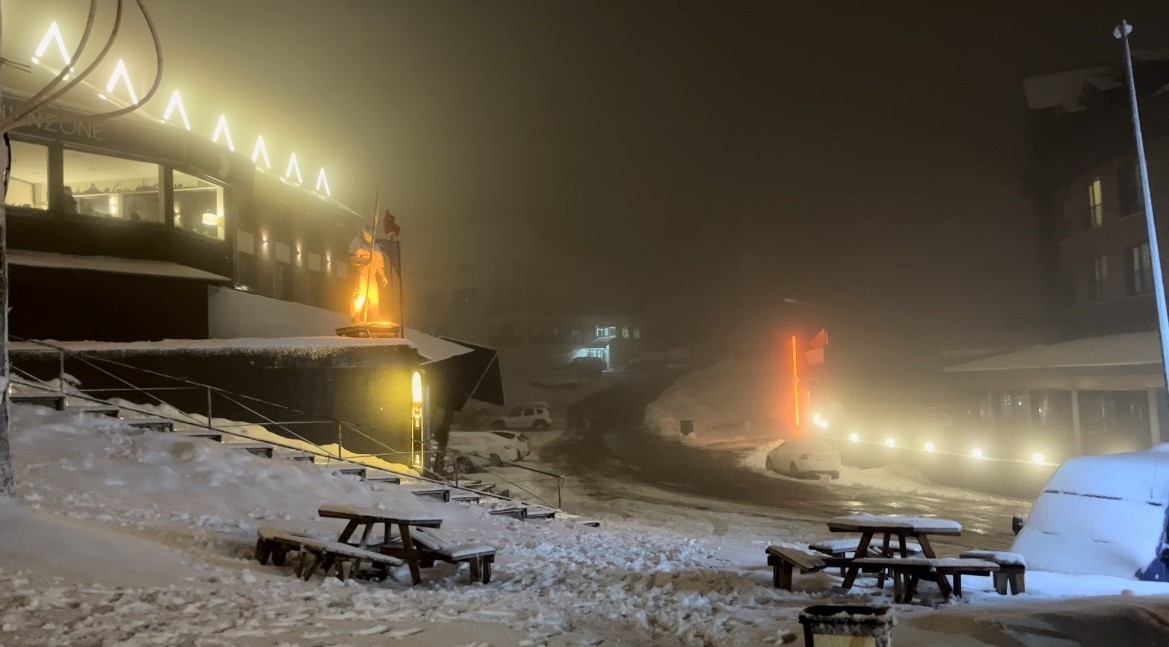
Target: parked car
point(496, 446)
point(804, 456)
point(534, 415)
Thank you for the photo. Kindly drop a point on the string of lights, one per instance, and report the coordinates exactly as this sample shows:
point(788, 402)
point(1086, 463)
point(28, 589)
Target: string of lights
point(175, 113)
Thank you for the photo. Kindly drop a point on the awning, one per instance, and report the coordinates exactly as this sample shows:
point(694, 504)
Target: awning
point(1128, 349)
point(600, 342)
point(165, 269)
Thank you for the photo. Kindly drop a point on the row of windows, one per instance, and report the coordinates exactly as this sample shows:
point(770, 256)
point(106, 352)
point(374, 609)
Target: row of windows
point(1138, 275)
point(1085, 211)
point(112, 187)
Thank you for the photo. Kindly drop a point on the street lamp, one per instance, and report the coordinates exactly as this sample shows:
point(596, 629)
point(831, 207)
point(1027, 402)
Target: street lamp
point(1121, 33)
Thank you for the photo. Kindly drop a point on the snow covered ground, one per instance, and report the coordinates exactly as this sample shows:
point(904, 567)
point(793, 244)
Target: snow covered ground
point(126, 537)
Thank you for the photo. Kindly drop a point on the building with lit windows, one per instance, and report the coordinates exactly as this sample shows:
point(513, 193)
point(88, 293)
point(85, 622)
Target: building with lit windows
point(1098, 385)
point(107, 218)
point(140, 229)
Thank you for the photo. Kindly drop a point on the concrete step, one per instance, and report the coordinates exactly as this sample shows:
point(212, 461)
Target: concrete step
point(378, 476)
point(351, 470)
point(97, 410)
point(54, 401)
point(151, 423)
point(540, 512)
point(515, 512)
point(441, 493)
point(464, 496)
point(266, 451)
point(205, 434)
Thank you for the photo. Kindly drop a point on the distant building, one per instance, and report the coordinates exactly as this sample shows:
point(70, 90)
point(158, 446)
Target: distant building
point(540, 307)
point(1097, 385)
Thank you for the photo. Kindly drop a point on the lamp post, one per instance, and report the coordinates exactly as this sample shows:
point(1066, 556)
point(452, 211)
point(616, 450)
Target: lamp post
point(1121, 33)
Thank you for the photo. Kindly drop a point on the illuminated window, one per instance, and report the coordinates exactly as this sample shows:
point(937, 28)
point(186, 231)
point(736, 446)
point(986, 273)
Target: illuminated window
point(111, 187)
point(28, 183)
point(1138, 270)
point(1095, 204)
point(636, 332)
point(199, 206)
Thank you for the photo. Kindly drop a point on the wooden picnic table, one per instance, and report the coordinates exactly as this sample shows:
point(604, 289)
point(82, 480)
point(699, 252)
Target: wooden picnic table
point(370, 517)
point(904, 528)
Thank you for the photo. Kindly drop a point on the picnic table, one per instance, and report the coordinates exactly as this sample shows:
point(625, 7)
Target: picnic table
point(367, 518)
point(904, 528)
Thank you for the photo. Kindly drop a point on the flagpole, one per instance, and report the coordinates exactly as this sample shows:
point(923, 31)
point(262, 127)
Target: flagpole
point(1121, 33)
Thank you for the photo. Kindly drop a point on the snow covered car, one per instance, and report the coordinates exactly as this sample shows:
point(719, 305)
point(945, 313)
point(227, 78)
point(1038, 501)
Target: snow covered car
point(496, 446)
point(535, 415)
point(804, 456)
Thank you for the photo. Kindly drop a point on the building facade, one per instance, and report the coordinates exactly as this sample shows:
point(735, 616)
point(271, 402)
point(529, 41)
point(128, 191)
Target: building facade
point(158, 213)
point(1097, 385)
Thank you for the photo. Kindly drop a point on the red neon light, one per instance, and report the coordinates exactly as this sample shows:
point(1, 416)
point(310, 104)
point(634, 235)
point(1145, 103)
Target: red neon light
point(795, 383)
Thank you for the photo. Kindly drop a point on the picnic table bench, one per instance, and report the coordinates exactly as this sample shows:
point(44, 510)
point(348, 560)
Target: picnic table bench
point(1011, 573)
point(908, 571)
point(433, 545)
point(275, 544)
point(785, 559)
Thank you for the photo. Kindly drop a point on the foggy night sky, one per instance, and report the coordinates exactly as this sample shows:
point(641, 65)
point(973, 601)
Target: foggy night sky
point(864, 156)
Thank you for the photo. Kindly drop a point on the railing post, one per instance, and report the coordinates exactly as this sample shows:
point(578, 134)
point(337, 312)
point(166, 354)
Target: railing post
point(61, 369)
point(209, 425)
point(339, 457)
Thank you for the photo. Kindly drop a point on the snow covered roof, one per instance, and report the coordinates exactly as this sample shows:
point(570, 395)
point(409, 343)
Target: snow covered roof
point(1066, 89)
point(1129, 349)
point(110, 264)
point(428, 346)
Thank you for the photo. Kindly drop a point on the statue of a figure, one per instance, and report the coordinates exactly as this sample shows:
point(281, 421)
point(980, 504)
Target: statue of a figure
point(369, 263)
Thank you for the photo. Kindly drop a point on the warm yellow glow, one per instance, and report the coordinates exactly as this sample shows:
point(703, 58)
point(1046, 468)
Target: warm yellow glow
point(53, 35)
point(976, 453)
point(854, 437)
point(221, 130)
point(176, 103)
point(929, 447)
point(261, 151)
point(210, 218)
point(293, 166)
point(120, 72)
point(1038, 458)
point(889, 442)
point(416, 388)
point(321, 181)
point(359, 302)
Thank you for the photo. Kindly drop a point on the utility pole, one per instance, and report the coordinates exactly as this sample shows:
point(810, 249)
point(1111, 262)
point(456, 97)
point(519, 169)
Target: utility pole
point(1121, 33)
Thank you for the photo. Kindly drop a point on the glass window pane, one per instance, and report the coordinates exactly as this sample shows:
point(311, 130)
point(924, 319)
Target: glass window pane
point(28, 184)
point(199, 206)
point(97, 185)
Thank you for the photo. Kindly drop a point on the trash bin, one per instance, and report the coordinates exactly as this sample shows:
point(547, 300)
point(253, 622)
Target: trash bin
point(687, 427)
point(847, 626)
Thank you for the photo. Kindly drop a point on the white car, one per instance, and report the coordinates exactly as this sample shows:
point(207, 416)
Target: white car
point(496, 446)
point(805, 456)
point(534, 415)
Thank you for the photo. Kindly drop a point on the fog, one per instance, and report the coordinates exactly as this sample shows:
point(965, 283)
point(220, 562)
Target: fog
point(865, 158)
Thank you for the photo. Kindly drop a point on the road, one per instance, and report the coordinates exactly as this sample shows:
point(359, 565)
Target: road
point(608, 454)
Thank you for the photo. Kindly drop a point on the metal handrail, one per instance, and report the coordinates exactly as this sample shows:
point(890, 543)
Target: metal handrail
point(425, 474)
